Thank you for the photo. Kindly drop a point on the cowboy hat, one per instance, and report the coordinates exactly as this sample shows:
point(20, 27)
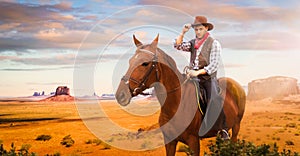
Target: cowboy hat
point(201, 20)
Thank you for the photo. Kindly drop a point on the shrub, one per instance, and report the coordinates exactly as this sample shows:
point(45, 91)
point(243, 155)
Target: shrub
point(289, 113)
point(229, 148)
point(43, 137)
point(67, 141)
point(106, 146)
point(186, 149)
point(111, 140)
point(24, 151)
point(146, 144)
point(89, 141)
point(55, 154)
point(289, 142)
point(291, 125)
point(97, 141)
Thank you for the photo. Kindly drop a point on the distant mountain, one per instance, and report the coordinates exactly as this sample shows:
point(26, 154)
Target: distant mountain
point(88, 97)
point(107, 97)
point(59, 98)
point(272, 87)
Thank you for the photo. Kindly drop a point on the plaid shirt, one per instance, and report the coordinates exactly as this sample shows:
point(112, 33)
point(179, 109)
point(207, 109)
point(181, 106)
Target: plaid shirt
point(214, 55)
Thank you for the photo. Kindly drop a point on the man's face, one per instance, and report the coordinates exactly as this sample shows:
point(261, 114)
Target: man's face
point(200, 31)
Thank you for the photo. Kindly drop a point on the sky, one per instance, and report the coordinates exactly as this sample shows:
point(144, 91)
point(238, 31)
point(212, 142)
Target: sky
point(85, 45)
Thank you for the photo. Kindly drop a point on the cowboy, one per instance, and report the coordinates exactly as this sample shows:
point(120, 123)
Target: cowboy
point(204, 60)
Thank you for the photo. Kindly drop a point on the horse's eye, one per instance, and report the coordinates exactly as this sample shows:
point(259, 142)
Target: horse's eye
point(145, 64)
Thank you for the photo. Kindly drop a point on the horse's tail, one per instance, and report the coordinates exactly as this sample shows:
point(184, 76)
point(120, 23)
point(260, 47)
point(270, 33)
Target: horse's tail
point(237, 92)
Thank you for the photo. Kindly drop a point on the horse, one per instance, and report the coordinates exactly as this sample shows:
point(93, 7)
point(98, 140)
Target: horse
point(152, 67)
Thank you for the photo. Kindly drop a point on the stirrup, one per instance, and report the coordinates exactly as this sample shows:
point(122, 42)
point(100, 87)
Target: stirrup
point(223, 134)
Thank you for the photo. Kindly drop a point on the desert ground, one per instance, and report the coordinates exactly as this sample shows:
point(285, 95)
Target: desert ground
point(265, 121)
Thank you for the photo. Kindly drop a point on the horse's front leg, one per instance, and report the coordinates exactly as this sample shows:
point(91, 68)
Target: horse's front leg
point(194, 143)
point(171, 148)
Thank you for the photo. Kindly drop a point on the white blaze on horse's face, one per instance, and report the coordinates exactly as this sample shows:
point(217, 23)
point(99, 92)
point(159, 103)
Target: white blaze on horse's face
point(136, 56)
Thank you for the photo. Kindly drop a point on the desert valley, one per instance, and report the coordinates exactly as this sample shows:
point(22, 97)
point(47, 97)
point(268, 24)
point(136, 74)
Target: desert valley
point(267, 120)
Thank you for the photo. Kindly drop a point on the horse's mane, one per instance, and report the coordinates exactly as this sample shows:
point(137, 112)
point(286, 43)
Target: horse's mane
point(171, 63)
point(165, 59)
point(169, 60)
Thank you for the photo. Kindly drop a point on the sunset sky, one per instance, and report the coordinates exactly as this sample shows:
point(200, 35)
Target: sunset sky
point(86, 44)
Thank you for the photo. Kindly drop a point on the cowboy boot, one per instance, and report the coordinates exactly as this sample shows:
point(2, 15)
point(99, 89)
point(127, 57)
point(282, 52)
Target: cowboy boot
point(224, 132)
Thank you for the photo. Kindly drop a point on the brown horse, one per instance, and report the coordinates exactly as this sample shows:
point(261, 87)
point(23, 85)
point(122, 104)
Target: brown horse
point(180, 119)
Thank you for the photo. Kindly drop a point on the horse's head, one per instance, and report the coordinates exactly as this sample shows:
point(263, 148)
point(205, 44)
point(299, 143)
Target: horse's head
point(142, 72)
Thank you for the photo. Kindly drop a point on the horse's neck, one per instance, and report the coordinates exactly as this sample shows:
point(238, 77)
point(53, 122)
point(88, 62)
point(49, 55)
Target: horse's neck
point(171, 79)
point(168, 91)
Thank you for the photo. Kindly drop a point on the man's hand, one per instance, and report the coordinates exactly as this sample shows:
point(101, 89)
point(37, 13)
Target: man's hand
point(186, 28)
point(195, 73)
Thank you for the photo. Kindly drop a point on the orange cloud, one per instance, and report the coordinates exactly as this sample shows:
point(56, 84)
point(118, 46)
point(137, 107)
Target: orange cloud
point(14, 12)
point(64, 5)
point(55, 25)
point(9, 26)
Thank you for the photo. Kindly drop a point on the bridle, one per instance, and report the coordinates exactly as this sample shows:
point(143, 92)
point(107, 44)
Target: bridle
point(142, 83)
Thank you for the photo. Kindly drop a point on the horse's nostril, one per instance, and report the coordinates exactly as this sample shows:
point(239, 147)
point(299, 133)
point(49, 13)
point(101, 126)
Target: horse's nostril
point(121, 97)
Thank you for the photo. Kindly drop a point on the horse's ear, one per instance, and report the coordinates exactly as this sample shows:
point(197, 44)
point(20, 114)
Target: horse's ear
point(137, 42)
point(155, 42)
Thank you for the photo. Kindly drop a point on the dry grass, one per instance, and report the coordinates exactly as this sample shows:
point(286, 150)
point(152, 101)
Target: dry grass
point(22, 122)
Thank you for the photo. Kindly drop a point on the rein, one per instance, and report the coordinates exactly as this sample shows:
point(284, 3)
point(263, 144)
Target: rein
point(141, 84)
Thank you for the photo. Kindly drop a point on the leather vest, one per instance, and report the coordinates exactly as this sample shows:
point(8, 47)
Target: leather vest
point(203, 57)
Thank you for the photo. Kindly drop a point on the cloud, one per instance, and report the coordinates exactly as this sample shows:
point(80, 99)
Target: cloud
point(29, 69)
point(9, 26)
point(227, 10)
point(15, 12)
point(20, 22)
point(275, 41)
point(63, 61)
point(231, 65)
point(47, 84)
point(268, 27)
point(27, 26)
point(48, 26)
point(63, 6)
point(6, 57)
point(54, 38)
point(90, 17)
point(21, 44)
